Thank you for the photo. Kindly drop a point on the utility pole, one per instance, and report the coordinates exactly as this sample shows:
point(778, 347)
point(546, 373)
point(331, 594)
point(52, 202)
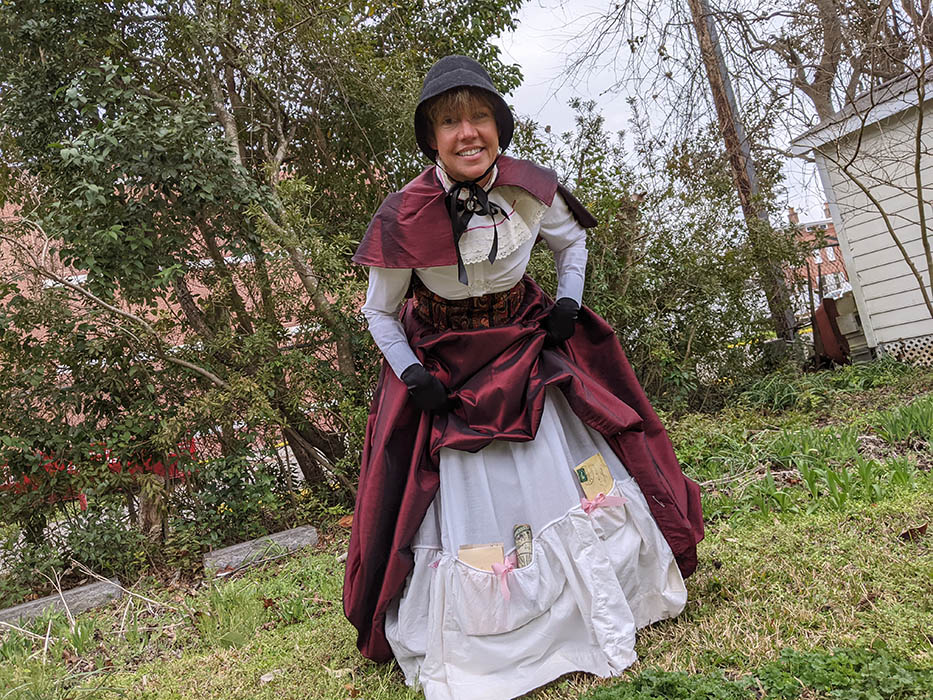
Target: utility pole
point(744, 173)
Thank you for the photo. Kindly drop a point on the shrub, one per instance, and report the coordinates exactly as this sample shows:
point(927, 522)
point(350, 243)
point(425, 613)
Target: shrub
point(103, 539)
point(28, 565)
point(228, 500)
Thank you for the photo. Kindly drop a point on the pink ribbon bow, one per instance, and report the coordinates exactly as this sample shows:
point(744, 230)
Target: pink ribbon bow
point(502, 571)
point(601, 501)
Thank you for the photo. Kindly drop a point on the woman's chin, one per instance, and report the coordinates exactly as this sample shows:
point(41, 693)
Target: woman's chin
point(469, 171)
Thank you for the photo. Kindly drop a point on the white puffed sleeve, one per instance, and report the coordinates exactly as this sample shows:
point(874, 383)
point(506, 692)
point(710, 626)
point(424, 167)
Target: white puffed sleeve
point(567, 239)
point(384, 298)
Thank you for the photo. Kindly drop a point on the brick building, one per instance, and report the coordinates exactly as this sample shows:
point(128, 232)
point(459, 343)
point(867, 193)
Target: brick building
point(824, 273)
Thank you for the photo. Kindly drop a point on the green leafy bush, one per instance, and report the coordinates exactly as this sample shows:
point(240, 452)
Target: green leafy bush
point(28, 565)
point(227, 500)
point(669, 262)
point(103, 539)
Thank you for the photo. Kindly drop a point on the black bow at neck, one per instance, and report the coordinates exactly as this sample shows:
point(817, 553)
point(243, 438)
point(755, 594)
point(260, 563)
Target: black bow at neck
point(462, 210)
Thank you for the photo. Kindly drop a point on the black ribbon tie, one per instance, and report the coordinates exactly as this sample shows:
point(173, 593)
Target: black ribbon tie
point(462, 210)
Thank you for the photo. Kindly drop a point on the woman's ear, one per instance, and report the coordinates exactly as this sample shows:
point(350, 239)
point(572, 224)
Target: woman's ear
point(432, 141)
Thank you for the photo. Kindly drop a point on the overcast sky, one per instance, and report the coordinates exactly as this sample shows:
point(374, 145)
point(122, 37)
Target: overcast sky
point(548, 32)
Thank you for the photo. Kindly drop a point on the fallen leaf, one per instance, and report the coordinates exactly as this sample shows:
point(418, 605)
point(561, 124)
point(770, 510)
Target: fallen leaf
point(914, 533)
point(338, 672)
point(268, 603)
point(269, 677)
point(352, 690)
point(346, 521)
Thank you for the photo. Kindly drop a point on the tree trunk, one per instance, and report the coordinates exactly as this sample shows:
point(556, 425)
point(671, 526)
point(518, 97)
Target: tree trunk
point(151, 514)
point(743, 172)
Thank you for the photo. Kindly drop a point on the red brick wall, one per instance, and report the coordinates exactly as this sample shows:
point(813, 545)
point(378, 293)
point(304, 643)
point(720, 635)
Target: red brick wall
point(823, 262)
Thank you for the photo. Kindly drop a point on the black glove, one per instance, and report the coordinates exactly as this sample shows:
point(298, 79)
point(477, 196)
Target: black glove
point(426, 390)
point(561, 322)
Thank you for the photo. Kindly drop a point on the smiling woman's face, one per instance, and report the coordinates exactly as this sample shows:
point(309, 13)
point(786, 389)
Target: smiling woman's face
point(466, 137)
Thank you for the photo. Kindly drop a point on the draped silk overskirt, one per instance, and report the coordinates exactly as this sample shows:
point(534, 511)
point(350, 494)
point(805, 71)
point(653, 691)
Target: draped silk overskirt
point(498, 379)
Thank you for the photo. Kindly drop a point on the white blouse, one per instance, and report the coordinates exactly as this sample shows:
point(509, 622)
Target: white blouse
point(528, 218)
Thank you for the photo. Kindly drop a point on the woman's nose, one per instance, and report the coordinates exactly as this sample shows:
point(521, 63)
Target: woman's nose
point(467, 130)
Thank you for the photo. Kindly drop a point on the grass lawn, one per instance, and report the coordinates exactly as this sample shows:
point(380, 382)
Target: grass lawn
point(815, 580)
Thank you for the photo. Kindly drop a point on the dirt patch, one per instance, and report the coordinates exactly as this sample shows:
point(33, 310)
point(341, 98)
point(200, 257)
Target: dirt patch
point(873, 447)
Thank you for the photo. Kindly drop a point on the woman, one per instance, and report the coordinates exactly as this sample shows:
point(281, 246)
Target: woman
point(493, 403)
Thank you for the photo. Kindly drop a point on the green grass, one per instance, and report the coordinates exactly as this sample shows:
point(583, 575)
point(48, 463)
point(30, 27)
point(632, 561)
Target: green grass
point(790, 389)
point(805, 580)
point(841, 673)
point(834, 578)
point(748, 464)
point(809, 582)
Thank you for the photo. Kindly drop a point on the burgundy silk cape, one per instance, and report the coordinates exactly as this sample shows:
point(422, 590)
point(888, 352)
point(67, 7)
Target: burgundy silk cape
point(412, 228)
point(497, 378)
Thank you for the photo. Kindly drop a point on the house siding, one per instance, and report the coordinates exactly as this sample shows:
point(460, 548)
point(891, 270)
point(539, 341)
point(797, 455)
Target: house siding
point(885, 163)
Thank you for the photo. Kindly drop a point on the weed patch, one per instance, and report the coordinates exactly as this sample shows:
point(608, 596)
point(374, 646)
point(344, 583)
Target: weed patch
point(854, 674)
point(899, 426)
point(791, 389)
point(232, 614)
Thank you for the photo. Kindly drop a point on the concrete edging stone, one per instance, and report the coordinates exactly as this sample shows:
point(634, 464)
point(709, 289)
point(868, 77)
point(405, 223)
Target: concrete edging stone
point(239, 555)
point(78, 600)
point(93, 595)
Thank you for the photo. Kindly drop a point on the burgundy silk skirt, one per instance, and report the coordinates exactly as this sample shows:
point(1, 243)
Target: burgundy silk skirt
point(500, 378)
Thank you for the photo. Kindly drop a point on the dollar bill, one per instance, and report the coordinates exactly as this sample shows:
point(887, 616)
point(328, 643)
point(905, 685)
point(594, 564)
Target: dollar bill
point(523, 549)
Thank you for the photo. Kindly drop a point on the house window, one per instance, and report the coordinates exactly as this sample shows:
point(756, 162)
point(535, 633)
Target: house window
point(817, 258)
point(830, 254)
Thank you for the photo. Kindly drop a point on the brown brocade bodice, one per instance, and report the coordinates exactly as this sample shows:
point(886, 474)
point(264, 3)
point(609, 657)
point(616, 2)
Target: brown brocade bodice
point(486, 311)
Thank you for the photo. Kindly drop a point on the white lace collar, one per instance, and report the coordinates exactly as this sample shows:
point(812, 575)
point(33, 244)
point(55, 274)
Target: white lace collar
point(523, 215)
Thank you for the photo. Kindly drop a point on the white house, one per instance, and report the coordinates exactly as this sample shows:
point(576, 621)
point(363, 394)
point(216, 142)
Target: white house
point(875, 162)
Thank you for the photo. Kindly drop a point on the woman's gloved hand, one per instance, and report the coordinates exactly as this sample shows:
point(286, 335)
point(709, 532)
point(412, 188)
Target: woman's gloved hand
point(561, 321)
point(425, 389)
